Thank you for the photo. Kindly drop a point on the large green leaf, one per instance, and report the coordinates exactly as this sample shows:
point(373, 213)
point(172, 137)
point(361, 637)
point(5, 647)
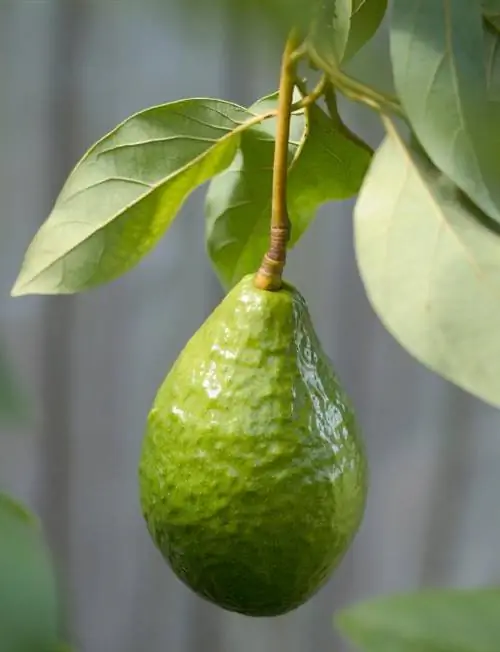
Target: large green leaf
point(430, 621)
point(365, 20)
point(123, 195)
point(29, 618)
point(330, 31)
point(329, 164)
point(430, 263)
point(441, 82)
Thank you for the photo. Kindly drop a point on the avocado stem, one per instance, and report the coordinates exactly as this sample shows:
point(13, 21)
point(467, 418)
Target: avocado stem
point(269, 275)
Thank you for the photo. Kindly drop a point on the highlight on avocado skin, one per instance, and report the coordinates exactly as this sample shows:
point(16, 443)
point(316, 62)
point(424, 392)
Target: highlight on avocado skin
point(253, 475)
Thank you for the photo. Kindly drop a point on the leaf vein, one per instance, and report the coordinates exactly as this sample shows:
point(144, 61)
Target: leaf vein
point(154, 141)
point(101, 182)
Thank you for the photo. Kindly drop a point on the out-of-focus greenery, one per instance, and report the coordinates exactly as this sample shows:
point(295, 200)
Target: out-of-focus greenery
point(280, 15)
point(12, 401)
point(29, 612)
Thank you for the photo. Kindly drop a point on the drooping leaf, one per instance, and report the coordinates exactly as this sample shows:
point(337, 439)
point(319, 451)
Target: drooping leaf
point(123, 195)
point(430, 263)
point(365, 20)
point(430, 621)
point(329, 164)
point(441, 82)
point(238, 201)
point(330, 31)
point(12, 403)
point(492, 51)
point(29, 618)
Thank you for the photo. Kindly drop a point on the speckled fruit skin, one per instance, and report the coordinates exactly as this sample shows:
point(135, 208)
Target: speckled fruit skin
point(252, 472)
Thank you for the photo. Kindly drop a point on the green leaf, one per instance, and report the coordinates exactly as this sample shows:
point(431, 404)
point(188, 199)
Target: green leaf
point(441, 82)
point(28, 601)
point(429, 621)
point(365, 21)
point(12, 404)
point(123, 195)
point(238, 201)
point(430, 263)
point(329, 164)
point(330, 31)
point(492, 50)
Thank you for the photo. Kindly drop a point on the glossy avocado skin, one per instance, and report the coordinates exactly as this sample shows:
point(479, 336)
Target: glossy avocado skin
point(253, 476)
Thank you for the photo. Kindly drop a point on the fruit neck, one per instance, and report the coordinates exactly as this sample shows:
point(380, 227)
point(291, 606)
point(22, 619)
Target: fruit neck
point(270, 272)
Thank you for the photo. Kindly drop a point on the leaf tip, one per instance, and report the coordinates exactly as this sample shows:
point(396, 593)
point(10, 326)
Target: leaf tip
point(24, 284)
point(18, 289)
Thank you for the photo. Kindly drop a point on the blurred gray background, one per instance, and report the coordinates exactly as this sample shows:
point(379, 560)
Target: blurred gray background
point(89, 366)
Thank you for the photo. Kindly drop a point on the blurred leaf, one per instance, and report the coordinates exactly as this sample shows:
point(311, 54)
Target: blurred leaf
point(238, 202)
point(492, 49)
point(441, 82)
point(12, 405)
point(365, 20)
point(279, 15)
point(430, 263)
point(28, 601)
point(330, 31)
point(491, 10)
point(124, 194)
point(494, 21)
point(430, 621)
point(329, 164)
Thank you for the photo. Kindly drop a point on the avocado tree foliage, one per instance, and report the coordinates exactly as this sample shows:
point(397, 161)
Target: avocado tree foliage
point(426, 219)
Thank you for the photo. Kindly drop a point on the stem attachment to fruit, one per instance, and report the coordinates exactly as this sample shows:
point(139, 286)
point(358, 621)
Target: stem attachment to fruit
point(269, 275)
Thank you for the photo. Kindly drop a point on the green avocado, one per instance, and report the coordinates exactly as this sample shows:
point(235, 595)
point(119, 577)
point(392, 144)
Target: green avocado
point(253, 476)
